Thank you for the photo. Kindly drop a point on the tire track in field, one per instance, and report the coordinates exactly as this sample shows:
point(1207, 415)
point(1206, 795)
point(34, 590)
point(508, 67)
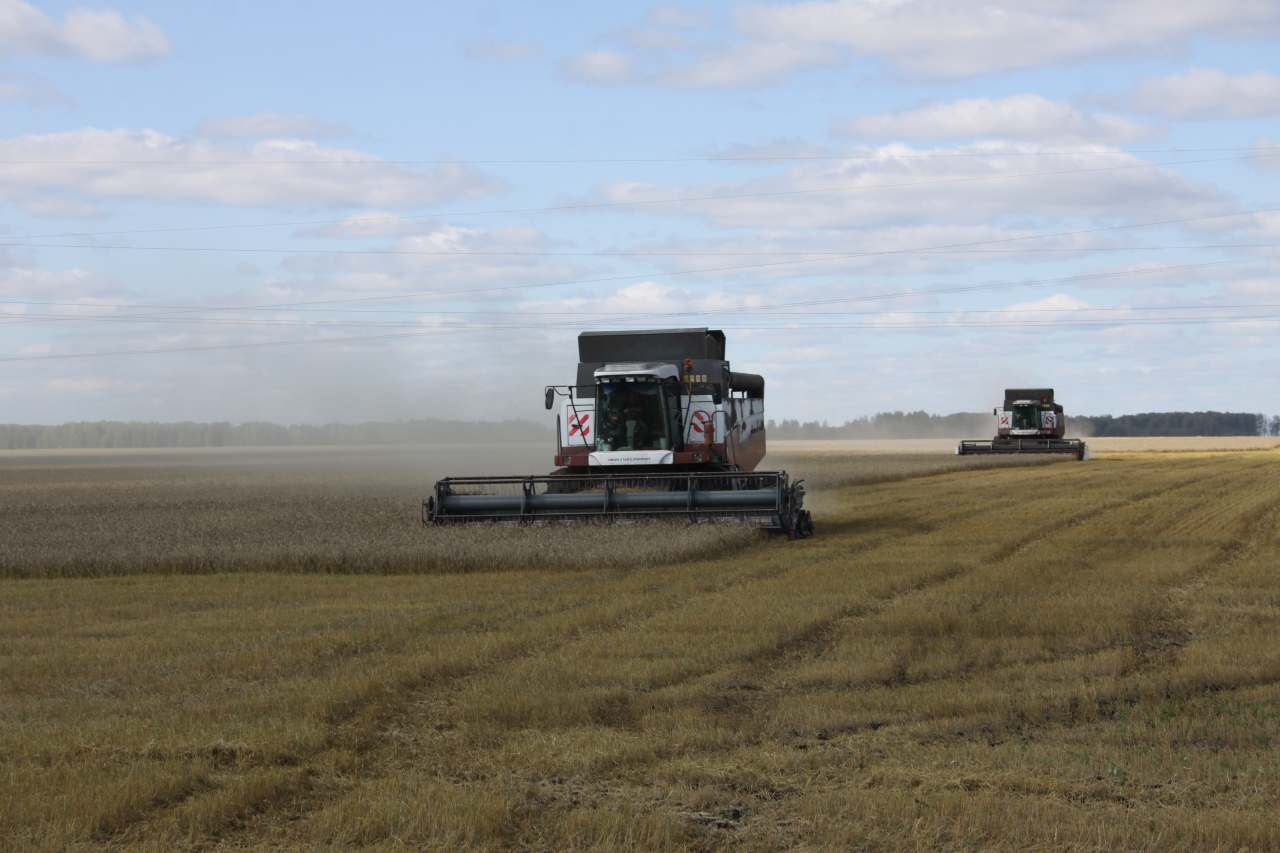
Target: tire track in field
point(827, 638)
point(361, 728)
point(353, 724)
point(310, 796)
point(1169, 633)
point(1256, 528)
point(758, 701)
point(1155, 649)
point(420, 704)
point(814, 639)
point(1259, 530)
point(818, 634)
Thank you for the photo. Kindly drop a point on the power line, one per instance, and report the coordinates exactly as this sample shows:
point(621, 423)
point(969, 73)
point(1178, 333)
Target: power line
point(429, 294)
point(1004, 324)
point(963, 289)
point(995, 286)
point(335, 324)
point(608, 160)
point(621, 204)
point(525, 327)
point(665, 314)
point(495, 253)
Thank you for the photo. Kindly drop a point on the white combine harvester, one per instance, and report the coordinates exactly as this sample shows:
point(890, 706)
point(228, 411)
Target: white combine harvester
point(656, 426)
point(1029, 422)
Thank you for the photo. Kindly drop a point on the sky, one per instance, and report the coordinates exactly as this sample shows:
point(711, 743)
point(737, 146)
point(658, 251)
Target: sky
point(341, 212)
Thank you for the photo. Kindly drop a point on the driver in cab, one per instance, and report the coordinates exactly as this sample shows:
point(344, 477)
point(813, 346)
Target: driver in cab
point(625, 428)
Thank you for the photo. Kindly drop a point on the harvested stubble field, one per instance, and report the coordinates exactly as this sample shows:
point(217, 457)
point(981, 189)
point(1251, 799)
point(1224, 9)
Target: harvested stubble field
point(302, 511)
point(1047, 657)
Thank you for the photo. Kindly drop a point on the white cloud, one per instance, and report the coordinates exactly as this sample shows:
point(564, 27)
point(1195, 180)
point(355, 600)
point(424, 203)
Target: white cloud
point(1159, 276)
point(956, 38)
point(34, 91)
point(88, 385)
point(1046, 308)
point(274, 125)
point(374, 223)
point(55, 285)
point(98, 35)
point(93, 163)
point(57, 207)
point(1210, 93)
point(488, 50)
point(1267, 226)
point(785, 255)
point(662, 299)
point(442, 246)
point(678, 18)
point(602, 67)
point(746, 65)
point(778, 149)
point(659, 58)
point(906, 186)
point(1267, 153)
point(439, 257)
point(768, 44)
point(1026, 116)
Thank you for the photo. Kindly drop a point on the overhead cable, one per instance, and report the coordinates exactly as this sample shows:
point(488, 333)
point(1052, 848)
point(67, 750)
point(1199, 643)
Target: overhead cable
point(638, 203)
point(348, 340)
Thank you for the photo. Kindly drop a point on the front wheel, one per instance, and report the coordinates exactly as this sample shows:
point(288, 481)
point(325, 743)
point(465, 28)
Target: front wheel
point(801, 526)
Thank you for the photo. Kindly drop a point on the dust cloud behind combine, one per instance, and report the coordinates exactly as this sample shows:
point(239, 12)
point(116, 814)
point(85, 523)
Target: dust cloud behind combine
point(357, 510)
point(346, 510)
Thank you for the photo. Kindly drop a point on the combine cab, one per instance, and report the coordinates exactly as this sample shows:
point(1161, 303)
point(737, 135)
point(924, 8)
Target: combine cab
point(656, 426)
point(1029, 422)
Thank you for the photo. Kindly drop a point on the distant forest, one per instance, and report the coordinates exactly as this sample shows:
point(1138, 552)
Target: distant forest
point(85, 434)
point(1179, 423)
point(981, 425)
point(106, 434)
point(889, 425)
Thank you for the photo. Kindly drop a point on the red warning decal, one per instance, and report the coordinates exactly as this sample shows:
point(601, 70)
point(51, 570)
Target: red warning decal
point(700, 421)
point(578, 425)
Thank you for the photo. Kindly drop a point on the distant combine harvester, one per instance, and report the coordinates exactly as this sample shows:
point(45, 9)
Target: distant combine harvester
point(1029, 422)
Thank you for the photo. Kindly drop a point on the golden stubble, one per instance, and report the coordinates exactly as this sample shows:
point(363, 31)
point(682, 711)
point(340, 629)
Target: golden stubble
point(1071, 657)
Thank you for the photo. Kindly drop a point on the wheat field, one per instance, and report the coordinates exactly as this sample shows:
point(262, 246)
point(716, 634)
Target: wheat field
point(1051, 656)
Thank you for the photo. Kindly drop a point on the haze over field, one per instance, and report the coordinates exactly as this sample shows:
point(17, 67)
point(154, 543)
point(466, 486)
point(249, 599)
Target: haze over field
point(323, 212)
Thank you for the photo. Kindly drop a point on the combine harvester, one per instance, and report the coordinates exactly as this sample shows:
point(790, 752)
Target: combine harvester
point(656, 426)
point(1029, 422)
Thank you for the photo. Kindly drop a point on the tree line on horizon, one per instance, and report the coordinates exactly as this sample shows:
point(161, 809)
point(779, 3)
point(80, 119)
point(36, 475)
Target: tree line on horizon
point(921, 424)
point(110, 434)
point(884, 425)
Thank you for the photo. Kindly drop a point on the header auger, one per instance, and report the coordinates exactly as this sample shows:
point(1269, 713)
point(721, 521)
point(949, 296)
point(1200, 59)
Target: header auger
point(656, 426)
point(1029, 422)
